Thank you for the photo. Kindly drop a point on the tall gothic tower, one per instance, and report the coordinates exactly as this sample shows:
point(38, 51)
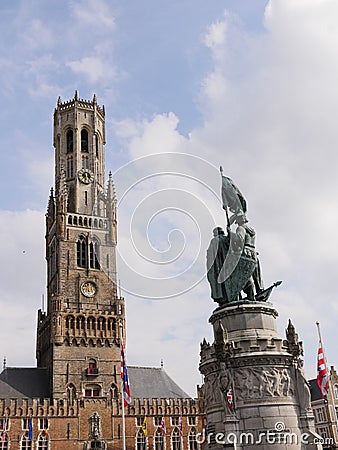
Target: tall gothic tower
point(78, 337)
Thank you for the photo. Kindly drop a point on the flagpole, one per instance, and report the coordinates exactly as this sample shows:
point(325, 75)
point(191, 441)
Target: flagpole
point(123, 421)
point(226, 208)
point(329, 382)
point(122, 396)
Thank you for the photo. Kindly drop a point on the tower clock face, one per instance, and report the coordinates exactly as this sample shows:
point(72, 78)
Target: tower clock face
point(85, 176)
point(88, 289)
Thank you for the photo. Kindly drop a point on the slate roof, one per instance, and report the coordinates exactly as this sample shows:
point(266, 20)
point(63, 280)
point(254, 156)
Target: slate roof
point(145, 382)
point(24, 382)
point(153, 382)
point(315, 391)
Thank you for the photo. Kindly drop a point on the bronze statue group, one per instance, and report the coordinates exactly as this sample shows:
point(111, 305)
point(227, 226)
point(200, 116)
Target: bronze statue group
point(233, 268)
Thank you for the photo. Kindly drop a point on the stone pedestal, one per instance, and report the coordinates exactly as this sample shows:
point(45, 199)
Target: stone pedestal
point(252, 367)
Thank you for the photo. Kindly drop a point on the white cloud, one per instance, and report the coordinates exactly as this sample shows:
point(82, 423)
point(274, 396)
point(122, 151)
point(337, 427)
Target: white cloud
point(93, 13)
point(216, 34)
point(93, 68)
point(158, 135)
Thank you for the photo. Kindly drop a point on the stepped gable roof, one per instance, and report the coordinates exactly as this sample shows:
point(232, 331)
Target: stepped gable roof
point(24, 382)
point(315, 391)
point(153, 382)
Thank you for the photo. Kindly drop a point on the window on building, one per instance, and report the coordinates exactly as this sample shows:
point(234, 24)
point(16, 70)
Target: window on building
point(139, 421)
point(92, 390)
point(176, 439)
point(70, 167)
point(175, 420)
point(26, 444)
point(43, 424)
point(97, 145)
point(70, 322)
point(92, 368)
point(81, 252)
point(191, 420)
point(25, 424)
point(158, 440)
point(4, 443)
point(43, 442)
point(140, 440)
point(335, 388)
point(84, 140)
point(69, 139)
point(192, 441)
point(97, 445)
point(94, 254)
point(320, 415)
point(4, 423)
point(157, 421)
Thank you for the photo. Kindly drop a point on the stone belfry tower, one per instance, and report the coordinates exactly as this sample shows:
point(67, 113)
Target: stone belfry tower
point(78, 337)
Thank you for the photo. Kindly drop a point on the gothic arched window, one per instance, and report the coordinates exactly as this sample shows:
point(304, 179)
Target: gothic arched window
point(43, 442)
point(84, 140)
point(69, 139)
point(94, 254)
point(26, 443)
point(97, 145)
point(4, 443)
point(70, 322)
point(175, 439)
point(81, 252)
point(140, 440)
point(193, 445)
point(335, 388)
point(70, 167)
point(158, 440)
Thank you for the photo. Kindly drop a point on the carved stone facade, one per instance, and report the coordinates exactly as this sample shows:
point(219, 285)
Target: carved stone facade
point(97, 423)
point(255, 390)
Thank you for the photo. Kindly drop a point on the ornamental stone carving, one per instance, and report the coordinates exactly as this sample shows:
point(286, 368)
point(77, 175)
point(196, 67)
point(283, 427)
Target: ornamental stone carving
point(253, 383)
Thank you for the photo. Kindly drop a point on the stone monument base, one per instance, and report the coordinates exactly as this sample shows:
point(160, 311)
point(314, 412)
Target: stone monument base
point(256, 395)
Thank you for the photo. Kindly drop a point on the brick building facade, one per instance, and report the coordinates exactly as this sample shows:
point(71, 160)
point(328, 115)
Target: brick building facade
point(72, 400)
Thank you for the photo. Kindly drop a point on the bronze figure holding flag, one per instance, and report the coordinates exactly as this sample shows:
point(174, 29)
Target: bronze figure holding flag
point(232, 263)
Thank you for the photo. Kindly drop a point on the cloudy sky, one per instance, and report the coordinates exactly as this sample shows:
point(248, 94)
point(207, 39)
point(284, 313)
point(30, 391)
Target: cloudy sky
point(187, 85)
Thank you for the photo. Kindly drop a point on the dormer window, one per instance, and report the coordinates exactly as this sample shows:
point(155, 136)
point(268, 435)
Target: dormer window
point(84, 141)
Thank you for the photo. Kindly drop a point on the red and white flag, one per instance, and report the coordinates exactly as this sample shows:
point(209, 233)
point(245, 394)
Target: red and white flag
point(322, 375)
point(230, 400)
point(181, 426)
point(4, 431)
point(163, 427)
